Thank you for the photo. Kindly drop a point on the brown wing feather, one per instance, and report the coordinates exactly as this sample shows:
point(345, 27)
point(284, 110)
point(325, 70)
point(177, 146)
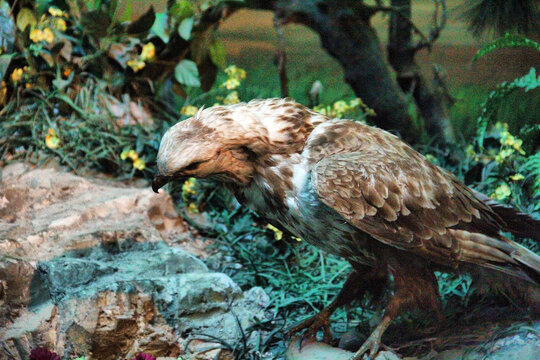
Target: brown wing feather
point(387, 189)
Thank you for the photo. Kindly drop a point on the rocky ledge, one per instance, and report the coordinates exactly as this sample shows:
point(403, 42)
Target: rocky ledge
point(98, 268)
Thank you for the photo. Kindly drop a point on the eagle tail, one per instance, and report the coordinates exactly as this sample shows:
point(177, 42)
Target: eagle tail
point(529, 262)
point(515, 222)
point(495, 258)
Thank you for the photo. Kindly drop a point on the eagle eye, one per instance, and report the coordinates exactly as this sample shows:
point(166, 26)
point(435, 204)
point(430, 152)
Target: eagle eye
point(193, 165)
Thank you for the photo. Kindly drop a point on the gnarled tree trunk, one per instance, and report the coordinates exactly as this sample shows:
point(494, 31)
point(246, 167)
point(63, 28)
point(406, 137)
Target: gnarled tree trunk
point(401, 53)
point(345, 32)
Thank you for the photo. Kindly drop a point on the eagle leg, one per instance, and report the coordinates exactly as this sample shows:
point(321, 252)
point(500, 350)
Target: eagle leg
point(415, 287)
point(362, 279)
point(322, 319)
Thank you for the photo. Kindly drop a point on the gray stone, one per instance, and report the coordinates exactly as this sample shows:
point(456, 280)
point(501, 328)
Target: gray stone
point(92, 266)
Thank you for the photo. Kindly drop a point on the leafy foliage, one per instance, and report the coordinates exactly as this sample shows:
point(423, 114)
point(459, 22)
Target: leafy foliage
point(527, 82)
point(507, 41)
point(56, 48)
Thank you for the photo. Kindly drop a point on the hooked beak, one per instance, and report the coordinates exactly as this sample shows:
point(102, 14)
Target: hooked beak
point(160, 181)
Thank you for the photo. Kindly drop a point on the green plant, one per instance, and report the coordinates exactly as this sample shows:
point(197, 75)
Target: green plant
point(56, 47)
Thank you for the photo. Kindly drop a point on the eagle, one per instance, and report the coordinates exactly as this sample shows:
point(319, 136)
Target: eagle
point(355, 191)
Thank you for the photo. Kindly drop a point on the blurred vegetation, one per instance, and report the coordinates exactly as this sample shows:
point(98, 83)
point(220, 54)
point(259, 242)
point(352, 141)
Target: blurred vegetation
point(83, 82)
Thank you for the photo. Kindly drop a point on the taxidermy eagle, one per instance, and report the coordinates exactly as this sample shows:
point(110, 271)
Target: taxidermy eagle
point(355, 191)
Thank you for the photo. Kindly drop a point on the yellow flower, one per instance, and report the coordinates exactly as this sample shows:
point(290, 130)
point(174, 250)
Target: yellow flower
point(148, 52)
point(54, 11)
point(60, 24)
point(232, 98)
point(51, 140)
point(17, 75)
point(517, 145)
point(37, 35)
point(321, 109)
point(234, 71)
point(48, 35)
point(189, 110)
point(234, 77)
point(188, 189)
point(278, 234)
point(136, 64)
point(503, 154)
point(132, 155)
point(517, 177)
point(340, 107)
point(189, 186)
point(139, 164)
point(192, 208)
point(502, 192)
point(124, 154)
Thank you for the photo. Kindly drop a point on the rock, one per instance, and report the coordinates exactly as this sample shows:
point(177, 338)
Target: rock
point(90, 267)
point(524, 346)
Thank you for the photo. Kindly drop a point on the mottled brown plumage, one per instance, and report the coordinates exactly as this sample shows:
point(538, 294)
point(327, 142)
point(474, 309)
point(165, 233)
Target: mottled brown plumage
point(353, 190)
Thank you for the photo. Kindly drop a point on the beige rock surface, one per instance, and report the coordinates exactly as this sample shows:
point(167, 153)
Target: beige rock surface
point(95, 267)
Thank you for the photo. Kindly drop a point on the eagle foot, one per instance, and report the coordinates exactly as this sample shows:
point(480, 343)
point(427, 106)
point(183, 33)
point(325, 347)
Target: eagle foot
point(371, 346)
point(313, 324)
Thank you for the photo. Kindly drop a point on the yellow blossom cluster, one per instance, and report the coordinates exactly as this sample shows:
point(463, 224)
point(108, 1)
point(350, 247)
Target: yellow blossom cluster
point(138, 163)
point(52, 140)
point(147, 54)
point(235, 75)
point(188, 192)
point(510, 147)
point(341, 108)
point(501, 192)
point(38, 35)
point(231, 98)
point(189, 110)
point(17, 75)
point(56, 12)
point(60, 24)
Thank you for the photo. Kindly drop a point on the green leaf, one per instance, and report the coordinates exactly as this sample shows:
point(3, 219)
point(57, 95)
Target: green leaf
point(182, 9)
point(4, 64)
point(185, 27)
point(527, 83)
point(186, 73)
point(142, 24)
point(507, 41)
point(25, 18)
point(217, 54)
point(161, 27)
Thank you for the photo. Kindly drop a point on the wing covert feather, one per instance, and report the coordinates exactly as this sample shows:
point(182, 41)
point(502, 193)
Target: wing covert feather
point(401, 199)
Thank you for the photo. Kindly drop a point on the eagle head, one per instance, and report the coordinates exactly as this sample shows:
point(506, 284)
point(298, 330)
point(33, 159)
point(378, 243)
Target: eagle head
point(225, 142)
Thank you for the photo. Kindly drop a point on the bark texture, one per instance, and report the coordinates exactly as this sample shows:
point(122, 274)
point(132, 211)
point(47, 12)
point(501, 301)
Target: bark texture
point(401, 55)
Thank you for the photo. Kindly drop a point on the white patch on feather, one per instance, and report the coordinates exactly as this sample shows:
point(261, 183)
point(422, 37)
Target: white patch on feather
point(300, 174)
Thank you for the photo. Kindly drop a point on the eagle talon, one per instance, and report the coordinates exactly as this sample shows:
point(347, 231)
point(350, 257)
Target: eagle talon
point(313, 324)
point(368, 350)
